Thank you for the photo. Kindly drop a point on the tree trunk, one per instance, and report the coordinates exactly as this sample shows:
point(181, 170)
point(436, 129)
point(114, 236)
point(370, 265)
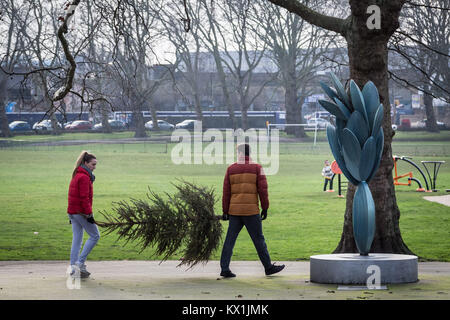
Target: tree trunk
point(140, 125)
point(55, 128)
point(431, 124)
point(154, 117)
point(197, 104)
point(223, 82)
point(4, 120)
point(293, 110)
point(5, 132)
point(244, 118)
point(106, 128)
point(367, 50)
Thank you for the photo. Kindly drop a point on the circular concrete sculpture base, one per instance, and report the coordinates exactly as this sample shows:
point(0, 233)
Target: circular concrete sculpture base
point(352, 268)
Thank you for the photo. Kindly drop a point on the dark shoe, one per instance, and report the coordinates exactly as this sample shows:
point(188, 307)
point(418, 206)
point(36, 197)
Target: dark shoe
point(274, 269)
point(83, 271)
point(227, 274)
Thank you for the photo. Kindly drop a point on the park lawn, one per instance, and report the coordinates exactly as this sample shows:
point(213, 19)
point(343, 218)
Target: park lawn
point(302, 219)
point(116, 135)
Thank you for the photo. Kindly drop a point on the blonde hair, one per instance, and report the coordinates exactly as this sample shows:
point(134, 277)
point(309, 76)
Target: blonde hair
point(84, 156)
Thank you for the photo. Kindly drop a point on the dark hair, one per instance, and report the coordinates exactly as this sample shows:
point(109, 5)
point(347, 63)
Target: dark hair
point(88, 157)
point(82, 158)
point(244, 148)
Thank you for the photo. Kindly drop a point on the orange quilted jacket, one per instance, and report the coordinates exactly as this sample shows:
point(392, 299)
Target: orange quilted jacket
point(243, 184)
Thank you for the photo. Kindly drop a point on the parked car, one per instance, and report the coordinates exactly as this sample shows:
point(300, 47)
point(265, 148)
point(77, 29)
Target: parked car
point(162, 125)
point(66, 124)
point(423, 123)
point(115, 125)
point(19, 126)
point(79, 125)
point(405, 124)
point(321, 123)
point(44, 125)
point(186, 124)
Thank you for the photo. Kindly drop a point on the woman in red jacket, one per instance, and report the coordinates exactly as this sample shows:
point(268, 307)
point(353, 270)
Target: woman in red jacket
point(80, 211)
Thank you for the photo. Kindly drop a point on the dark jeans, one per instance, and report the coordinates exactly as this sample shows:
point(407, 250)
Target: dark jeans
point(254, 228)
point(326, 183)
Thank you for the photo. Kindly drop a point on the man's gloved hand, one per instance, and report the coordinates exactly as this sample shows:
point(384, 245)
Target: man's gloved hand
point(91, 219)
point(263, 214)
point(225, 217)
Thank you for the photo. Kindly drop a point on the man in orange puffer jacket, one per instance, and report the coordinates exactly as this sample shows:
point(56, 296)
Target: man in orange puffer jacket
point(244, 183)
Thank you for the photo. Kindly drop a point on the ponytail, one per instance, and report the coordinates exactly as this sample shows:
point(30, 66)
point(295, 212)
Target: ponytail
point(82, 158)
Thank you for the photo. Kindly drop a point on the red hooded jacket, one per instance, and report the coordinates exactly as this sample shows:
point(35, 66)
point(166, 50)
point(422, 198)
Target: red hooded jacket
point(80, 193)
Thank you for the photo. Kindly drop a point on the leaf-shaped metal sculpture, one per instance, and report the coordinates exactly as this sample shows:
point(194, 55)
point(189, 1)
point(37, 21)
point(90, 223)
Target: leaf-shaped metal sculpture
point(333, 109)
point(358, 99)
point(371, 99)
point(368, 157)
point(363, 218)
point(358, 126)
point(357, 144)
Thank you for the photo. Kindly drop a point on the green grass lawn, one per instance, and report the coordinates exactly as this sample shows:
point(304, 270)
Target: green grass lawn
point(302, 220)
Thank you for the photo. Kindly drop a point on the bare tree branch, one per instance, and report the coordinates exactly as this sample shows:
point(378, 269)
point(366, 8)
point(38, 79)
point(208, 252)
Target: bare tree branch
point(329, 23)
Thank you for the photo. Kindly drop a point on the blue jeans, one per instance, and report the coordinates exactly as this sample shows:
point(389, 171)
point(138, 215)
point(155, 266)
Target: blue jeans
point(78, 224)
point(254, 228)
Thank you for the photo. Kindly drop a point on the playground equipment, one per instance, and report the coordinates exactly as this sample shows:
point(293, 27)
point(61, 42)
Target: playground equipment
point(408, 174)
point(338, 172)
point(436, 166)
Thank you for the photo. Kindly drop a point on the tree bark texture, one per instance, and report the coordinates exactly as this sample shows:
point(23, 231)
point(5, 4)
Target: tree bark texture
point(3, 99)
point(293, 109)
point(431, 124)
point(106, 127)
point(139, 131)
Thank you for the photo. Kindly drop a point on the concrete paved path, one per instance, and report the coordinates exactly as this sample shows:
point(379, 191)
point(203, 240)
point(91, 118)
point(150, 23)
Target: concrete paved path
point(152, 280)
point(445, 200)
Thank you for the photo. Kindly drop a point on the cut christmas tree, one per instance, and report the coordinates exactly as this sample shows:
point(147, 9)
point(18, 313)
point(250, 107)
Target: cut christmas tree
point(183, 223)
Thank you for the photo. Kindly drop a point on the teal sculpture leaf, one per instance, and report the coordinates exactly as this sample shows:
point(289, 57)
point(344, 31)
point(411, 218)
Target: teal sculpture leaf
point(379, 153)
point(340, 90)
point(368, 158)
point(333, 109)
point(363, 218)
point(343, 108)
point(358, 126)
point(330, 92)
point(378, 120)
point(336, 150)
point(372, 100)
point(358, 100)
point(340, 125)
point(351, 152)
